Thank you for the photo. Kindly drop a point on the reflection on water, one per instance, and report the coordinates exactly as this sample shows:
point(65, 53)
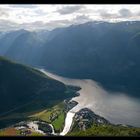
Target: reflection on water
point(116, 107)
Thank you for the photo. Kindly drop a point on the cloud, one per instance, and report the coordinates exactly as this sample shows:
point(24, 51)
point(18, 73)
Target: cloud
point(3, 12)
point(69, 9)
point(31, 25)
point(125, 12)
point(6, 25)
point(106, 15)
point(44, 25)
point(23, 6)
point(58, 23)
point(53, 16)
point(138, 14)
point(118, 15)
point(66, 22)
point(40, 12)
point(81, 18)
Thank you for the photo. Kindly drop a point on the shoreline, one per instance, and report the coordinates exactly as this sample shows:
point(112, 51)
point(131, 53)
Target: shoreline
point(102, 102)
point(89, 95)
point(83, 100)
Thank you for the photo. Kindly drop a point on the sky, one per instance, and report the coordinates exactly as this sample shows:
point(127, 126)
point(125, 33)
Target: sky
point(50, 16)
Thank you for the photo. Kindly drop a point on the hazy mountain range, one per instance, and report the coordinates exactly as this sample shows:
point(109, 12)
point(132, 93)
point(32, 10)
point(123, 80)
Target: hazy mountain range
point(109, 53)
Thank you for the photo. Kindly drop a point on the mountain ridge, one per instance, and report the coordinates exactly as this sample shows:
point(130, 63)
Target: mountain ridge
point(105, 52)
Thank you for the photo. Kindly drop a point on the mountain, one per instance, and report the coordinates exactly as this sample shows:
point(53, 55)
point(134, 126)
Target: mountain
point(106, 52)
point(20, 84)
point(7, 39)
point(25, 48)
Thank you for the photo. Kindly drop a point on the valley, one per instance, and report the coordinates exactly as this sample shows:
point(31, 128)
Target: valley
point(80, 80)
point(61, 117)
point(84, 51)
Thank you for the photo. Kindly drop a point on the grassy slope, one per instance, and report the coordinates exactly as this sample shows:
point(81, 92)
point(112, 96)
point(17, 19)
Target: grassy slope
point(20, 85)
point(107, 130)
point(44, 115)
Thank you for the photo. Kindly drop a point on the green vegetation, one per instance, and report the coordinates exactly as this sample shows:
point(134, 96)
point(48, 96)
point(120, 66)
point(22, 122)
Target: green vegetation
point(35, 134)
point(59, 122)
point(25, 91)
point(57, 112)
point(54, 115)
point(21, 84)
point(107, 130)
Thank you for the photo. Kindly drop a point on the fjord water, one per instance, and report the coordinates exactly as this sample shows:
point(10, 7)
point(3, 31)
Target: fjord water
point(118, 108)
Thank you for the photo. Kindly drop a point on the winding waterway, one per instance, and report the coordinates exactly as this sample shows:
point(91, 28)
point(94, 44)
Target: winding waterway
point(118, 108)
